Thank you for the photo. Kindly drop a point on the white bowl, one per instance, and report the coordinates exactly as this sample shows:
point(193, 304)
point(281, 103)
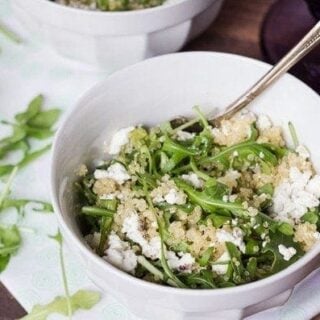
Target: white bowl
point(151, 92)
point(111, 40)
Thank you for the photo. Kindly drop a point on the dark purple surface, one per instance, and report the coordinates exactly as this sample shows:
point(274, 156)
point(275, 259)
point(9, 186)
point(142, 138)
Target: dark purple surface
point(285, 24)
point(314, 6)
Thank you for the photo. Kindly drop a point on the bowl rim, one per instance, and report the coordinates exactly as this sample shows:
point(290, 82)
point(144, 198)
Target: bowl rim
point(103, 264)
point(162, 7)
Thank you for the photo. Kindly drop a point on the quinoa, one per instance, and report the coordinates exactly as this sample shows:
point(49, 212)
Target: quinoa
point(307, 235)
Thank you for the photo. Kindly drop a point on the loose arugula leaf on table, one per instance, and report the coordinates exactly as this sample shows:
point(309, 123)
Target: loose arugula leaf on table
point(6, 189)
point(20, 205)
point(67, 305)
point(59, 239)
point(27, 158)
point(81, 300)
point(33, 109)
point(32, 118)
point(10, 241)
point(9, 34)
point(33, 123)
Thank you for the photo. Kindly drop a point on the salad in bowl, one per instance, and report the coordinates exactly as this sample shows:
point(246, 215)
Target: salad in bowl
point(196, 206)
point(112, 5)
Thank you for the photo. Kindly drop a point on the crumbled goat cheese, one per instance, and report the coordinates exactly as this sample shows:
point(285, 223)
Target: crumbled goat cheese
point(184, 135)
point(116, 172)
point(236, 237)
point(287, 253)
point(263, 122)
point(193, 179)
point(296, 195)
point(132, 229)
point(302, 152)
point(174, 197)
point(181, 261)
point(119, 254)
point(221, 264)
point(119, 139)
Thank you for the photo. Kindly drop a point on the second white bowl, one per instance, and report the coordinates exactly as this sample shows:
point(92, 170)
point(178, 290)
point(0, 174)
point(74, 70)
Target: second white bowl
point(112, 40)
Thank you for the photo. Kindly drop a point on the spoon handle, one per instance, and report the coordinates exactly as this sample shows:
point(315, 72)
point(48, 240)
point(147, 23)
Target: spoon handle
point(304, 46)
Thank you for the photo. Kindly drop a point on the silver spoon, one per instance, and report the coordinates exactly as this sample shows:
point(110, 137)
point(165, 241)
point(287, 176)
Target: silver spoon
point(304, 46)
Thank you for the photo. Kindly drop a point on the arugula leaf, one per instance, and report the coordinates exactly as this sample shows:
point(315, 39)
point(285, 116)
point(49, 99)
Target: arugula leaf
point(6, 169)
point(81, 300)
point(252, 267)
point(294, 135)
point(177, 282)
point(59, 239)
point(9, 34)
point(244, 150)
point(6, 189)
point(153, 270)
point(96, 212)
point(28, 158)
point(207, 255)
point(311, 217)
point(286, 229)
point(218, 220)
point(277, 238)
point(20, 205)
point(203, 279)
point(105, 229)
point(10, 241)
point(33, 109)
point(38, 133)
point(19, 145)
point(32, 123)
point(17, 135)
point(103, 4)
point(236, 263)
point(206, 201)
point(4, 260)
point(45, 119)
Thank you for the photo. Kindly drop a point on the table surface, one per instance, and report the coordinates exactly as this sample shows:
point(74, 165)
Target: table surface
point(237, 30)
